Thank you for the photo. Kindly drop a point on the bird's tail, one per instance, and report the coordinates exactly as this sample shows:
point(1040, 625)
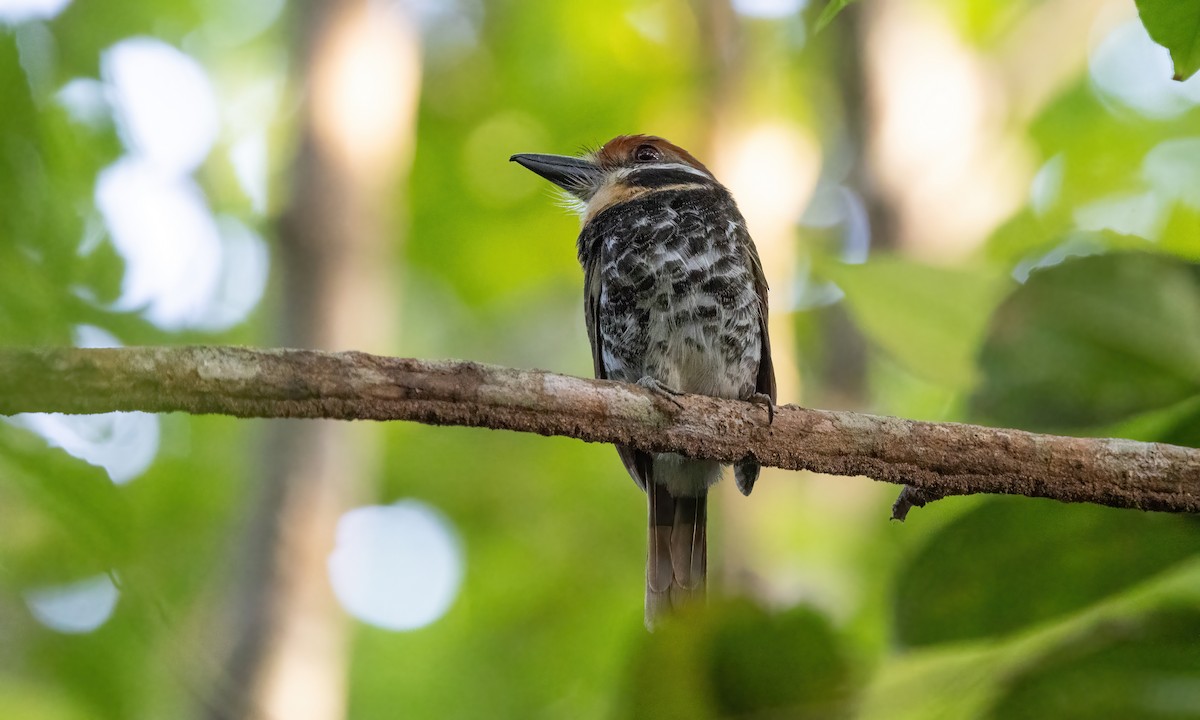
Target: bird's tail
point(677, 558)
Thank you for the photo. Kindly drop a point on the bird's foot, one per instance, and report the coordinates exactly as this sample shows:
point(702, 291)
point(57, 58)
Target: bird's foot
point(661, 390)
point(764, 400)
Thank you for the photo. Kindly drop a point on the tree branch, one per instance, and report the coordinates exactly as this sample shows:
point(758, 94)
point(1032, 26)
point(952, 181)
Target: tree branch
point(938, 458)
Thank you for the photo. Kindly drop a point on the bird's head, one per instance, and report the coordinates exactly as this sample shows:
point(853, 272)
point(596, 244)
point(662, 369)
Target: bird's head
point(626, 167)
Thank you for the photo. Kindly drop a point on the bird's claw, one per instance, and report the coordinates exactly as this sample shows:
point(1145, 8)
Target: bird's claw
point(661, 390)
point(765, 400)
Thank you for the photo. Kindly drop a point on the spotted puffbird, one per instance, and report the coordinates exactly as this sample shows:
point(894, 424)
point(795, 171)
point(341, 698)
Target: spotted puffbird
point(675, 300)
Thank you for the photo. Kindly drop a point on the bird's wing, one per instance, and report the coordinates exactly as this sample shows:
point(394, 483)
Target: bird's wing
point(637, 463)
point(745, 472)
point(592, 289)
point(765, 382)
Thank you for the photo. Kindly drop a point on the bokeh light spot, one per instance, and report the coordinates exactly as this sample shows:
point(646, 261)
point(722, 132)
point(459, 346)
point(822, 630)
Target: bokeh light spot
point(74, 608)
point(1130, 67)
point(768, 9)
point(85, 101)
point(161, 225)
point(1172, 168)
point(13, 12)
point(245, 261)
point(396, 566)
point(249, 159)
point(1140, 214)
point(843, 207)
point(124, 444)
point(366, 49)
point(232, 22)
point(1047, 184)
point(184, 269)
point(165, 105)
point(772, 170)
point(450, 28)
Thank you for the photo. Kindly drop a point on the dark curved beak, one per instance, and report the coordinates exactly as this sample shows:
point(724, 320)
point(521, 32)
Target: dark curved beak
point(578, 176)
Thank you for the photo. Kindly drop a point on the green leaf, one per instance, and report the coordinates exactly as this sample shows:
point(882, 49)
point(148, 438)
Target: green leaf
point(1175, 24)
point(930, 319)
point(1091, 341)
point(1146, 669)
point(972, 679)
point(1012, 563)
point(1091, 157)
point(831, 10)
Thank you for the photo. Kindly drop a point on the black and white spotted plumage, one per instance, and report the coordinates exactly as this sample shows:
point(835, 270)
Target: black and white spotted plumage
point(674, 291)
point(675, 298)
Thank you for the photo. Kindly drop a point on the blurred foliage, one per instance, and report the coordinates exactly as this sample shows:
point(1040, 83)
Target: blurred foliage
point(829, 12)
point(973, 581)
point(997, 607)
point(1140, 669)
point(929, 319)
point(1058, 338)
point(740, 661)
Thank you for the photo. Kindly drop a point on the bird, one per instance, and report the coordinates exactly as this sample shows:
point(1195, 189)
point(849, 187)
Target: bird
point(675, 300)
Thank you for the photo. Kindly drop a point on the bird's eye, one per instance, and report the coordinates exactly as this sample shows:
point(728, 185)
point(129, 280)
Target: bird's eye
point(647, 154)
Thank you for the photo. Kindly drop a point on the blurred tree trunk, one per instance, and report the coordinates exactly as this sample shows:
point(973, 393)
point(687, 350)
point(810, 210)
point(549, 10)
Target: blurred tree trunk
point(941, 149)
point(359, 66)
point(843, 374)
point(770, 162)
point(740, 124)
